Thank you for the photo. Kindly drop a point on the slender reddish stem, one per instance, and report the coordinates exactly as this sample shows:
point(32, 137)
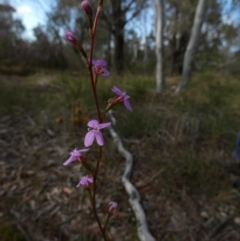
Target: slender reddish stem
point(93, 84)
point(94, 191)
point(90, 64)
point(91, 197)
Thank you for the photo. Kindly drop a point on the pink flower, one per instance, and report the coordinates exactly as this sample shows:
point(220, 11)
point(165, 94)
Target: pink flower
point(85, 181)
point(113, 208)
point(74, 155)
point(123, 97)
point(95, 132)
point(86, 6)
point(70, 37)
point(98, 67)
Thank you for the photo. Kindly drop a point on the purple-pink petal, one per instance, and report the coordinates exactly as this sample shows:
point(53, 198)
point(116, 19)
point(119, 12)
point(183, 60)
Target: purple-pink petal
point(95, 133)
point(117, 91)
point(100, 62)
point(69, 160)
point(112, 206)
point(98, 66)
point(99, 138)
point(105, 72)
point(104, 125)
point(92, 123)
point(127, 104)
point(85, 181)
point(74, 155)
point(89, 138)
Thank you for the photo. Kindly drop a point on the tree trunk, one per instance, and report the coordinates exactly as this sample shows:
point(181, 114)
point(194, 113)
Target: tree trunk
point(192, 45)
point(119, 52)
point(116, 16)
point(159, 11)
point(145, 54)
point(135, 48)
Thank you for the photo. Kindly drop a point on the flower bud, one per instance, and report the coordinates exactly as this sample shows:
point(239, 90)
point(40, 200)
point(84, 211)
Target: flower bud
point(70, 37)
point(86, 6)
point(113, 208)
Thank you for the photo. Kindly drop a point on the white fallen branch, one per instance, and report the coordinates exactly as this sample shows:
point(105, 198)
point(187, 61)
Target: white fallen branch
point(134, 197)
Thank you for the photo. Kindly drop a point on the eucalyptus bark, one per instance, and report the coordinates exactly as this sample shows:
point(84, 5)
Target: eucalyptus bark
point(159, 11)
point(192, 47)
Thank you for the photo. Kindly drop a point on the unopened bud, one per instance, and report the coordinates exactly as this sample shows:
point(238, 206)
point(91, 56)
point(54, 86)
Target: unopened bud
point(86, 6)
point(113, 208)
point(70, 37)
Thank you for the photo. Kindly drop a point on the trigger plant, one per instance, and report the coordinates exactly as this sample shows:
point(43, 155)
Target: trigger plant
point(94, 137)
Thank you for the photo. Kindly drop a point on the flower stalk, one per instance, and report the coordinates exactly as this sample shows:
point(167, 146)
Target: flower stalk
point(95, 126)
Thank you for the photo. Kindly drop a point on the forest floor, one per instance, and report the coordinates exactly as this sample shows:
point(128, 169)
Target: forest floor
point(181, 146)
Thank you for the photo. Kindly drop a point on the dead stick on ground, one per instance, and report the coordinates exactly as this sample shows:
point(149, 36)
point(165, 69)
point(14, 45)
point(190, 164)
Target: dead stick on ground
point(134, 197)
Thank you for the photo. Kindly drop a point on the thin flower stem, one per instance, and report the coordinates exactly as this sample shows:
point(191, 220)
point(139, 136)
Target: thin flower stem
point(94, 191)
point(106, 221)
point(98, 161)
point(93, 84)
point(90, 196)
point(92, 199)
point(90, 65)
point(94, 91)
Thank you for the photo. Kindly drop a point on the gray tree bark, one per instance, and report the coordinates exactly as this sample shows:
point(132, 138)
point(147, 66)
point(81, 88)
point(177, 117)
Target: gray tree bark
point(192, 47)
point(159, 12)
